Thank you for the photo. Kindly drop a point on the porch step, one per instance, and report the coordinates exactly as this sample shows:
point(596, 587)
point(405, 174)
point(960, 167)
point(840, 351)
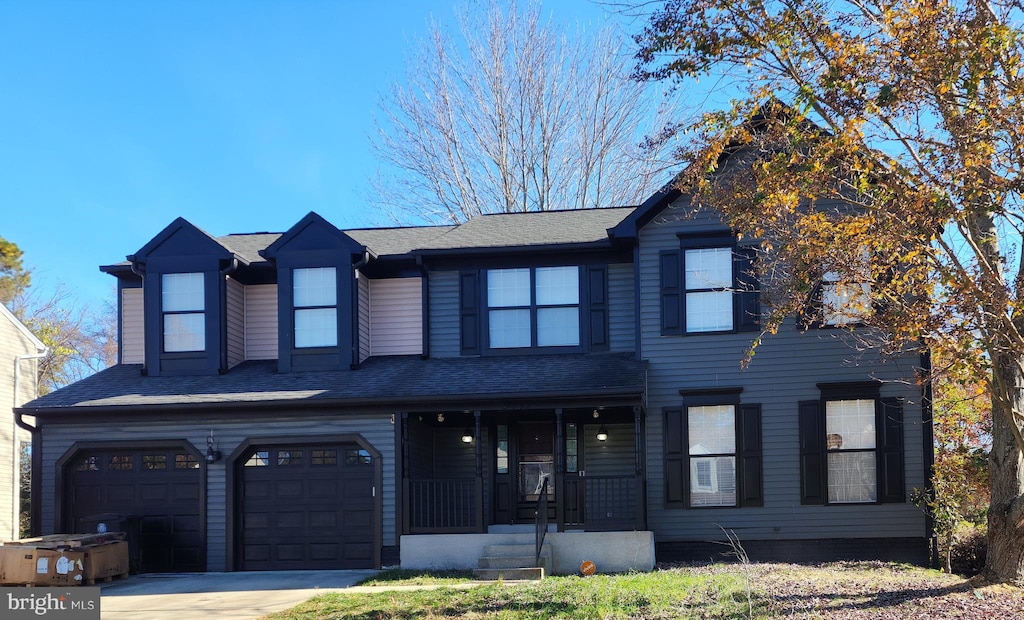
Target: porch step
point(509, 574)
point(512, 562)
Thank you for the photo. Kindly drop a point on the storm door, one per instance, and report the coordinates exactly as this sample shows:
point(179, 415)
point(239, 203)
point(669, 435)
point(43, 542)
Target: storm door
point(535, 464)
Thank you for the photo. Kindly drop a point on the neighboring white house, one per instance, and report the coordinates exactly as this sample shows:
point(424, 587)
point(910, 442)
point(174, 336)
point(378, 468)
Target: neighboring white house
point(19, 359)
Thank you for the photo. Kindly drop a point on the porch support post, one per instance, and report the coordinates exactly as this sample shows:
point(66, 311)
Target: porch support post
point(480, 521)
point(638, 443)
point(406, 504)
point(559, 471)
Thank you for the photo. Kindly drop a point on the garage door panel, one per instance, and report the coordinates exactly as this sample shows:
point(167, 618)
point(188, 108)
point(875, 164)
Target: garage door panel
point(289, 489)
point(256, 553)
point(319, 510)
point(157, 489)
point(323, 519)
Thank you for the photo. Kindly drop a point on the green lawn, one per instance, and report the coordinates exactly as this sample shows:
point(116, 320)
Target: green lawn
point(840, 591)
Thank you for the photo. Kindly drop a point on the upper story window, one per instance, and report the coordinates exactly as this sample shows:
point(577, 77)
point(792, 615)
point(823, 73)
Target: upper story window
point(708, 285)
point(708, 281)
point(533, 307)
point(315, 302)
point(183, 309)
point(847, 302)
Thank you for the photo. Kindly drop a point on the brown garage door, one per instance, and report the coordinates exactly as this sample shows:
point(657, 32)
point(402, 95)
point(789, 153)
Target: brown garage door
point(157, 493)
point(306, 507)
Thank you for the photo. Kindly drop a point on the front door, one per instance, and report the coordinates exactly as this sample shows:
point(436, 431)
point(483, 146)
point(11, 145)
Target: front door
point(535, 465)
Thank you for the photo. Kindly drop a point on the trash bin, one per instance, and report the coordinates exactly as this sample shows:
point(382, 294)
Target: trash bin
point(113, 522)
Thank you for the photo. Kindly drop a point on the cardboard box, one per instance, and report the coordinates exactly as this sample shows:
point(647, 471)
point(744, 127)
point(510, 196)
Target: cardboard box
point(57, 567)
point(17, 564)
point(109, 560)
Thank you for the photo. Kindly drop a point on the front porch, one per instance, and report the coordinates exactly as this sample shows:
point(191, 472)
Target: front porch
point(485, 478)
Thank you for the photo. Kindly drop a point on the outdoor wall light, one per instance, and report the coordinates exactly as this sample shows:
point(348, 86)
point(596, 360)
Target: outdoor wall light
point(602, 433)
point(212, 454)
point(467, 436)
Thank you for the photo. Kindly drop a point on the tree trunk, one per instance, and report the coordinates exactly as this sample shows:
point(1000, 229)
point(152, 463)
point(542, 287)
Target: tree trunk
point(1005, 560)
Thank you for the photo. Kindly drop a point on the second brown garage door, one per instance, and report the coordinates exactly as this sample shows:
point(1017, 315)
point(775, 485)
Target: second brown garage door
point(306, 507)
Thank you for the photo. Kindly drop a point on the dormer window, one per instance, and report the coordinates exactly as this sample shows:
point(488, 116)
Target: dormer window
point(533, 307)
point(183, 309)
point(315, 300)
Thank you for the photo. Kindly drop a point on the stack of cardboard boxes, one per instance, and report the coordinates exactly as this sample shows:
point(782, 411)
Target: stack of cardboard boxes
point(64, 559)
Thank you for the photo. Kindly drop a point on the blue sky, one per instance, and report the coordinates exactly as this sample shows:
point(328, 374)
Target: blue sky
point(117, 117)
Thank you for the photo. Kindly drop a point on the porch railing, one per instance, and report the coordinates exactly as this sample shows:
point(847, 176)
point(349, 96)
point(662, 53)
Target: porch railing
point(436, 506)
point(611, 502)
point(542, 520)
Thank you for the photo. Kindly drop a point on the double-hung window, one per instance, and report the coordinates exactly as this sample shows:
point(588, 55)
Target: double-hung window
point(847, 300)
point(315, 303)
point(533, 307)
point(183, 310)
point(712, 448)
point(850, 441)
point(712, 452)
point(708, 285)
point(851, 446)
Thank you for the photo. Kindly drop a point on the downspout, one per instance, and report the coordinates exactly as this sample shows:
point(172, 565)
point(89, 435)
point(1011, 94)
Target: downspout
point(928, 436)
point(363, 260)
point(138, 269)
point(424, 308)
point(37, 457)
point(222, 283)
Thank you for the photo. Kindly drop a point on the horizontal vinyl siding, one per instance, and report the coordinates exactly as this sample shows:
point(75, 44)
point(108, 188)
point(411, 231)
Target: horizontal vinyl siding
point(236, 322)
point(377, 430)
point(13, 343)
point(444, 314)
point(133, 348)
point(615, 456)
point(785, 370)
point(364, 316)
point(261, 322)
point(396, 316)
point(621, 308)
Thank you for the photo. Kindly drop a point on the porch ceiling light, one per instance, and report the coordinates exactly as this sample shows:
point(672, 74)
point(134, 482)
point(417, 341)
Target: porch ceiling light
point(467, 436)
point(602, 433)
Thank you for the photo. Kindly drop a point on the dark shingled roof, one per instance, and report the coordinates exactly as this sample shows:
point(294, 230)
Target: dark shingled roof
point(394, 241)
point(530, 229)
point(380, 379)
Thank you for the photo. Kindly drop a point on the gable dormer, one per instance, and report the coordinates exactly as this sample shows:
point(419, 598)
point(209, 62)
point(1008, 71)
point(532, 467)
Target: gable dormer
point(316, 295)
point(183, 272)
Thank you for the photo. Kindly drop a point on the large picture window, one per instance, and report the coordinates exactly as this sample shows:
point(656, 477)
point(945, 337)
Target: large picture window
point(183, 310)
point(315, 300)
point(537, 307)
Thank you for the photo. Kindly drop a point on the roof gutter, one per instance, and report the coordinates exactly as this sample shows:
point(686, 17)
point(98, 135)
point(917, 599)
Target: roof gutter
point(37, 454)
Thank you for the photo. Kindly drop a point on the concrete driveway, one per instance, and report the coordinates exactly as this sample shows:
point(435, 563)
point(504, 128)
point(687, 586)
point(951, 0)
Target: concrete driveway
point(242, 595)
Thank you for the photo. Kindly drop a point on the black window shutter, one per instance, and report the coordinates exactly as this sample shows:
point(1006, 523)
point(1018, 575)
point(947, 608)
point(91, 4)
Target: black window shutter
point(675, 458)
point(890, 455)
point(469, 312)
point(747, 296)
point(671, 293)
point(597, 298)
point(812, 453)
point(751, 490)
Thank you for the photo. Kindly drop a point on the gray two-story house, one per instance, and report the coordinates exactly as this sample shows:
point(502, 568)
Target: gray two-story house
point(326, 398)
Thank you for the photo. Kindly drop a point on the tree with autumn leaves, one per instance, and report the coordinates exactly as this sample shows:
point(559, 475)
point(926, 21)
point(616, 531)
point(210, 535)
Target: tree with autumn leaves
point(902, 140)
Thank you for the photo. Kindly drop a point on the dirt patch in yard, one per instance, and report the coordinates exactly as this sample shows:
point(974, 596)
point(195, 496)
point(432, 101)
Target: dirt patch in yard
point(876, 590)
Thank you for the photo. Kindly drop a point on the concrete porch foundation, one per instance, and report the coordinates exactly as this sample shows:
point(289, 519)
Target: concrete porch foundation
point(611, 552)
